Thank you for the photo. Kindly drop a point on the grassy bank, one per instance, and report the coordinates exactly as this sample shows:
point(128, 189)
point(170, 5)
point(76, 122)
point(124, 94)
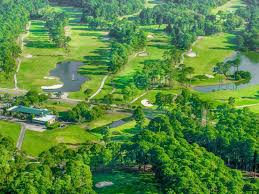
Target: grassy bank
point(10, 129)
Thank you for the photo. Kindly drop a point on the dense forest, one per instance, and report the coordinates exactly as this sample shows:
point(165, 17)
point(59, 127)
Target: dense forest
point(13, 19)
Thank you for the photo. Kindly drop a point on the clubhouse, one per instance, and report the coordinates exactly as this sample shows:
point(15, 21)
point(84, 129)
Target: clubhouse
point(40, 116)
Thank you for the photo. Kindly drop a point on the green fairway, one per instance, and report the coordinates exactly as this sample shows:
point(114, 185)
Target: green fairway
point(87, 46)
point(211, 50)
point(243, 96)
point(11, 130)
point(36, 142)
point(130, 183)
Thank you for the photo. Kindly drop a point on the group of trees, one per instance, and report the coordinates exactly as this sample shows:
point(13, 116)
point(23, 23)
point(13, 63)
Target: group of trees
point(56, 23)
point(83, 113)
point(186, 20)
point(128, 38)
point(13, 19)
point(229, 133)
point(248, 39)
point(165, 72)
point(57, 171)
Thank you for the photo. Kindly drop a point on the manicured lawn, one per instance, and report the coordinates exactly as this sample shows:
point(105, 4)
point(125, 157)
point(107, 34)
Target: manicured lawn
point(36, 142)
point(211, 50)
point(87, 46)
point(11, 130)
point(124, 182)
point(243, 96)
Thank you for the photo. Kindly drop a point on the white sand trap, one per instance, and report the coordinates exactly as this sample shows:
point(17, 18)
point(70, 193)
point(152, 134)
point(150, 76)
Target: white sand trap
point(150, 36)
point(146, 103)
point(200, 37)
point(143, 54)
point(104, 184)
point(54, 87)
point(191, 54)
point(107, 38)
point(49, 78)
point(209, 76)
point(29, 56)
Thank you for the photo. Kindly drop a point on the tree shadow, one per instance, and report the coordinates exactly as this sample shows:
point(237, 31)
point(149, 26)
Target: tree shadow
point(40, 44)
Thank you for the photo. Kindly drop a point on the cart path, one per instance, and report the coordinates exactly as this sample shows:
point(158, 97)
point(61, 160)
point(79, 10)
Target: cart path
point(100, 88)
point(21, 137)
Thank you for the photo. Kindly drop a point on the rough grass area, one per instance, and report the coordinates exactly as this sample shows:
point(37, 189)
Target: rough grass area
point(211, 50)
point(130, 183)
point(11, 130)
point(87, 46)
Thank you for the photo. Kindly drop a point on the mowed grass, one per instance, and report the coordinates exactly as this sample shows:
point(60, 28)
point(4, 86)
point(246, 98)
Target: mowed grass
point(211, 50)
point(10, 129)
point(36, 142)
point(86, 46)
point(243, 96)
point(125, 182)
point(230, 6)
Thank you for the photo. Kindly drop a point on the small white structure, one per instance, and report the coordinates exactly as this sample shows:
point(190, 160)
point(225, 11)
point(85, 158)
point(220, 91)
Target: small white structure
point(103, 184)
point(54, 87)
point(146, 103)
point(50, 119)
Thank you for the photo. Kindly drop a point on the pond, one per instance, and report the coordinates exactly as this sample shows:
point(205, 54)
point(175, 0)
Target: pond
point(67, 72)
point(246, 65)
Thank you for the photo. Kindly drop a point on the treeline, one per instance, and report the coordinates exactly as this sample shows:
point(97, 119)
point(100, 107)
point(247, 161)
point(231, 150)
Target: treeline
point(230, 133)
point(248, 39)
point(106, 9)
point(185, 23)
point(127, 38)
point(14, 17)
point(56, 24)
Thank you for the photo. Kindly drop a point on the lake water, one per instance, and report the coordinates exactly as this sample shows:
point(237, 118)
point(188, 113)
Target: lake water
point(67, 72)
point(246, 65)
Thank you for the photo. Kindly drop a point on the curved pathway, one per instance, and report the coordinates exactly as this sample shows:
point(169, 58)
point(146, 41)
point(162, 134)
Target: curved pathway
point(100, 88)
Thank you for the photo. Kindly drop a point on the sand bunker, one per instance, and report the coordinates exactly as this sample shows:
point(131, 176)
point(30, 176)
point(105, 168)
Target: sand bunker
point(209, 76)
point(54, 87)
point(200, 37)
point(150, 36)
point(107, 38)
point(104, 184)
point(146, 103)
point(49, 78)
point(143, 54)
point(191, 54)
point(28, 56)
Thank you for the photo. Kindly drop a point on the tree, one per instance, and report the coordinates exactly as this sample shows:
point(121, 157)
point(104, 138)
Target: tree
point(139, 116)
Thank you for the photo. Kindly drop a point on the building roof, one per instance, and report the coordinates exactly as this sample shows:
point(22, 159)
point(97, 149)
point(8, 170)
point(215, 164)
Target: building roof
point(28, 110)
point(45, 118)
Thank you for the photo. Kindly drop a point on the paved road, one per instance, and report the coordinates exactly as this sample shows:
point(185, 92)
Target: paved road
point(21, 137)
